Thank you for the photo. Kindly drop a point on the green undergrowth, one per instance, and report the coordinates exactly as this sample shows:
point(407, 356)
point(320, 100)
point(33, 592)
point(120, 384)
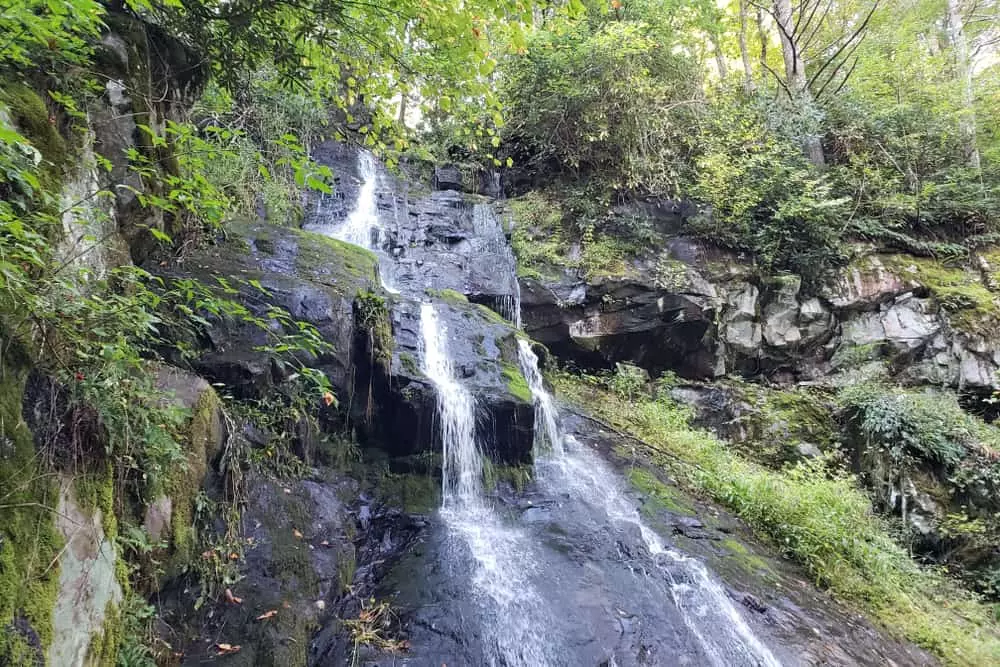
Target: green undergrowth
point(549, 225)
point(814, 515)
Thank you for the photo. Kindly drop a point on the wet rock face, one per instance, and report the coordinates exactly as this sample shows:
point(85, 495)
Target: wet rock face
point(308, 544)
point(375, 335)
point(445, 247)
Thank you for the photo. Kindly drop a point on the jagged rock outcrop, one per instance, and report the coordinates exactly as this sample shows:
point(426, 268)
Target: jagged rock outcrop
point(704, 312)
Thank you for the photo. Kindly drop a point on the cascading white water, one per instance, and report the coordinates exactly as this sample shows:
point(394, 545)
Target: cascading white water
point(570, 468)
point(463, 463)
point(513, 612)
point(545, 410)
point(492, 240)
point(363, 220)
point(363, 227)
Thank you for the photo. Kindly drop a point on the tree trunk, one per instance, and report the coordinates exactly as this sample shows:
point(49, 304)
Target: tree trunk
point(720, 58)
point(967, 117)
point(795, 75)
point(744, 52)
point(795, 68)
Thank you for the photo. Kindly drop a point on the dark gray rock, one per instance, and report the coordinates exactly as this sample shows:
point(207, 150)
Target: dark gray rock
point(448, 177)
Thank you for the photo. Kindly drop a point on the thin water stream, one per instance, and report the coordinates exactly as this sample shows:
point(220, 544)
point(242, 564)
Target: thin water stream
point(567, 467)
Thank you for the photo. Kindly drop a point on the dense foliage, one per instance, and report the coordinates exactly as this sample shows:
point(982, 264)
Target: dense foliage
point(890, 137)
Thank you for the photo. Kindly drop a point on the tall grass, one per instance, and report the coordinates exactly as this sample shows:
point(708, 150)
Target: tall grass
point(815, 515)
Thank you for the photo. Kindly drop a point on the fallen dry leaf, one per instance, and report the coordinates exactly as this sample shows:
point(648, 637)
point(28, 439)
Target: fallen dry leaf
point(268, 614)
point(234, 556)
point(226, 649)
point(296, 533)
point(232, 599)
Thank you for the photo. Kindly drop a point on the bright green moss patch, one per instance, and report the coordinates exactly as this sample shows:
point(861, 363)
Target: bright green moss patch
point(203, 434)
point(744, 558)
point(95, 490)
point(341, 266)
point(659, 496)
point(492, 315)
point(29, 539)
point(971, 307)
point(105, 644)
point(448, 296)
point(516, 384)
point(31, 116)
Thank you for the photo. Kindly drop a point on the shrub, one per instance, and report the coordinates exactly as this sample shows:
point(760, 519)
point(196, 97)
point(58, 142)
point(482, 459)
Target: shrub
point(611, 101)
point(762, 196)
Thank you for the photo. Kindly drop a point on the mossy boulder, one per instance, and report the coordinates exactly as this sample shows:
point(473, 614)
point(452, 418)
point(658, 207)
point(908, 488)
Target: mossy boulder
point(29, 539)
point(772, 425)
point(169, 518)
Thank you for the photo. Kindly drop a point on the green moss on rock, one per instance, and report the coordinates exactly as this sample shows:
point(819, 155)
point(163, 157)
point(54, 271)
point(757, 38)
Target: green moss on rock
point(31, 116)
point(448, 296)
point(971, 307)
point(202, 437)
point(29, 538)
point(516, 384)
point(410, 364)
point(372, 315)
point(659, 495)
point(105, 645)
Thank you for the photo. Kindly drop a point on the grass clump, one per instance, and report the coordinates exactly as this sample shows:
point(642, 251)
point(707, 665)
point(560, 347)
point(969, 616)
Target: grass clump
point(816, 515)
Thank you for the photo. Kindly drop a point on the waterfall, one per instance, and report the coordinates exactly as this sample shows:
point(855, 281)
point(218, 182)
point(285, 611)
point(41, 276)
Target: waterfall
point(492, 241)
point(463, 463)
point(363, 220)
point(513, 614)
point(545, 410)
point(567, 467)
